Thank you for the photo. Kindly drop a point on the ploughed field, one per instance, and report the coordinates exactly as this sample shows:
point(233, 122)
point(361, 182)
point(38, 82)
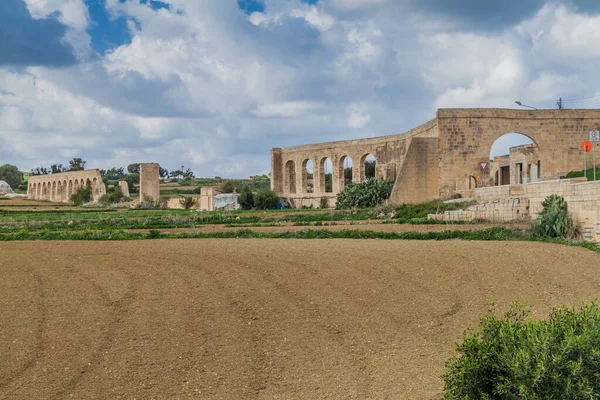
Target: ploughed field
point(260, 319)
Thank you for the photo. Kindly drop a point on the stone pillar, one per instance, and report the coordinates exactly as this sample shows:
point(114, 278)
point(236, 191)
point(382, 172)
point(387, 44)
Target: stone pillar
point(124, 188)
point(276, 171)
point(149, 182)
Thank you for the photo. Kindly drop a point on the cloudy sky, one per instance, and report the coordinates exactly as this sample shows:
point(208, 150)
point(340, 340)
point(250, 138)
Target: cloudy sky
point(215, 84)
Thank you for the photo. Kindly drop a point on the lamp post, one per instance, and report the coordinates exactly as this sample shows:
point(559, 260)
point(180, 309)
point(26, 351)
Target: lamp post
point(525, 105)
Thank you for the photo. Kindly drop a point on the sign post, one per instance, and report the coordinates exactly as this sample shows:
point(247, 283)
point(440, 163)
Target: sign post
point(585, 147)
point(483, 165)
point(594, 138)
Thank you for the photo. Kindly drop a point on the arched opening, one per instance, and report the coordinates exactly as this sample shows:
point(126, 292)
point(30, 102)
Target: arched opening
point(70, 191)
point(326, 177)
point(44, 191)
point(38, 191)
point(345, 172)
point(58, 191)
point(53, 194)
point(65, 195)
point(514, 160)
point(368, 163)
point(290, 177)
point(308, 170)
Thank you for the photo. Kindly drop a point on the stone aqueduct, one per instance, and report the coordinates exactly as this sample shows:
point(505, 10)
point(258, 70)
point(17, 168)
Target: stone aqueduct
point(60, 187)
point(438, 159)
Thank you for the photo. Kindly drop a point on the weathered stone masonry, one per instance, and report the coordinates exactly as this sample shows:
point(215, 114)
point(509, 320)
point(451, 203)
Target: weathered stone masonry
point(439, 158)
point(60, 187)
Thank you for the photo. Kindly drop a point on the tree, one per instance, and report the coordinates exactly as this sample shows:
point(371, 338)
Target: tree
point(113, 174)
point(246, 198)
point(132, 180)
point(163, 172)
point(11, 175)
point(77, 164)
point(228, 187)
point(187, 202)
point(40, 171)
point(133, 168)
point(266, 199)
point(370, 169)
point(368, 194)
point(559, 104)
point(188, 173)
point(176, 174)
point(82, 196)
point(57, 168)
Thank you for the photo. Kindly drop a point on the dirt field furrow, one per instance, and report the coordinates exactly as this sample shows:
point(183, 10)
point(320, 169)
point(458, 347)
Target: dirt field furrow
point(261, 319)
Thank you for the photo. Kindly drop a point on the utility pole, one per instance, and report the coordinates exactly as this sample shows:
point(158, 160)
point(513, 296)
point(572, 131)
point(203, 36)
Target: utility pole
point(559, 104)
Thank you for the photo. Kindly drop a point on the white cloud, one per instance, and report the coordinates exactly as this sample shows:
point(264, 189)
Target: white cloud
point(288, 109)
point(214, 89)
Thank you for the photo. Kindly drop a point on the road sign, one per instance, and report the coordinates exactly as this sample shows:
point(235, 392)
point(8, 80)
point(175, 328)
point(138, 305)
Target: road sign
point(594, 136)
point(586, 146)
point(484, 165)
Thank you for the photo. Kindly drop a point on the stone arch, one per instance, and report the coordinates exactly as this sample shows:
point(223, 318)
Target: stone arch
point(65, 194)
point(514, 154)
point(59, 191)
point(366, 172)
point(70, 190)
point(308, 176)
point(326, 175)
point(38, 190)
point(345, 164)
point(54, 190)
point(44, 191)
point(290, 177)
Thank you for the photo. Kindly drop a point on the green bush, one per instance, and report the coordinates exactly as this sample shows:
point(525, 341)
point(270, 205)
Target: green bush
point(246, 198)
point(113, 197)
point(266, 199)
point(553, 221)
point(517, 358)
point(187, 202)
point(361, 195)
point(227, 187)
point(82, 196)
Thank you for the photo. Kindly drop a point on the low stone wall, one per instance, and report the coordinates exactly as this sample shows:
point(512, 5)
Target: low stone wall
point(311, 200)
point(512, 209)
point(509, 203)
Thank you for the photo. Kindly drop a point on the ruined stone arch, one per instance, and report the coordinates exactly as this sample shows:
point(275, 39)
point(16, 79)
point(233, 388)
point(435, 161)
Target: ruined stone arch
point(290, 177)
point(95, 189)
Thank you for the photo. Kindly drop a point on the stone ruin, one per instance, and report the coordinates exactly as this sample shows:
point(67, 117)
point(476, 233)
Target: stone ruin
point(5, 188)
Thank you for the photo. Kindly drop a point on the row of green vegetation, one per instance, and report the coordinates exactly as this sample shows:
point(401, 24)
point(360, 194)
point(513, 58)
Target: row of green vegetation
point(589, 173)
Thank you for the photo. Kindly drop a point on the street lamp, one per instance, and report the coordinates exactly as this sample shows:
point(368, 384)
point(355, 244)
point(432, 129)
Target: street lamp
point(525, 105)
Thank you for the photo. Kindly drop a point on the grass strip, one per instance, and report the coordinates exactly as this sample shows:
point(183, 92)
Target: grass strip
point(492, 234)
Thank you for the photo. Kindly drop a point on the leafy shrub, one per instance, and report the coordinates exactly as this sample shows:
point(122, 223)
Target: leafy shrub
point(246, 198)
point(113, 197)
point(82, 196)
point(408, 212)
point(553, 221)
point(369, 194)
point(227, 187)
point(187, 202)
point(517, 358)
point(266, 199)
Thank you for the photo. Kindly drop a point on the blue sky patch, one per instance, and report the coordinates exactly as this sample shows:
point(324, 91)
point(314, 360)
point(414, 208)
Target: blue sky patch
point(106, 32)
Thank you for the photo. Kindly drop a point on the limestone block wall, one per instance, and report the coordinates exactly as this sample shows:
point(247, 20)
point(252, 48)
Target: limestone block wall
point(462, 139)
point(418, 180)
point(467, 135)
point(509, 209)
point(149, 181)
point(311, 200)
point(124, 188)
point(60, 187)
point(289, 173)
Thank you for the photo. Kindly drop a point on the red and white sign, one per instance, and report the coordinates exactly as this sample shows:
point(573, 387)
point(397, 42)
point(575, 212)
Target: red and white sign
point(484, 165)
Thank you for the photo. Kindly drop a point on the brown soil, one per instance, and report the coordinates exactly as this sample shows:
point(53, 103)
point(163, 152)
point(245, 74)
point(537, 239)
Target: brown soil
point(260, 319)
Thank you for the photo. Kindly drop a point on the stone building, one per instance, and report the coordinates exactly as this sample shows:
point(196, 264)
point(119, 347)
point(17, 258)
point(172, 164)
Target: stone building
point(438, 159)
point(522, 165)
